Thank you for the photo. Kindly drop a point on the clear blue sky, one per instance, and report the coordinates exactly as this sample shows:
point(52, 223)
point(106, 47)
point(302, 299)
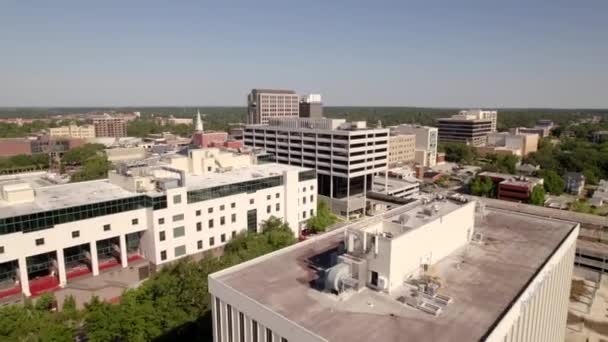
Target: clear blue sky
point(487, 53)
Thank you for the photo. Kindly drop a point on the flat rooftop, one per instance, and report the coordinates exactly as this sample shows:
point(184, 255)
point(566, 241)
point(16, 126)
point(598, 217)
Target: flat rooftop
point(64, 196)
point(482, 278)
point(394, 184)
point(238, 175)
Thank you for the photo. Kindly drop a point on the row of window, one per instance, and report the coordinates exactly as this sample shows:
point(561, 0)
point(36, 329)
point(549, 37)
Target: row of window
point(268, 336)
point(233, 189)
point(181, 250)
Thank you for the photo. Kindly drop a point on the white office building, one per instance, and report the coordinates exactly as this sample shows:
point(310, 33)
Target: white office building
point(346, 155)
point(155, 211)
point(445, 270)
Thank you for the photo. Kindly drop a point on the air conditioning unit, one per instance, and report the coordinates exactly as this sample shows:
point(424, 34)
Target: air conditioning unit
point(382, 283)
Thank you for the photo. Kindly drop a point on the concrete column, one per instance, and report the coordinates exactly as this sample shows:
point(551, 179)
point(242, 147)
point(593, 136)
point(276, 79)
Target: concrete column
point(347, 196)
point(94, 258)
point(123, 251)
point(63, 280)
point(23, 278)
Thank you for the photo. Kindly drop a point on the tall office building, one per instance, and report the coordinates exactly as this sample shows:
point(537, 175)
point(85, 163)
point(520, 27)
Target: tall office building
point(311, 106)
point(464, 129)
point(480, 114)
point(426, 142)
point(152, 212)
point(401, 148)
point(442, 271)
point(109, 126)
point(264, 104)
point(345, 155)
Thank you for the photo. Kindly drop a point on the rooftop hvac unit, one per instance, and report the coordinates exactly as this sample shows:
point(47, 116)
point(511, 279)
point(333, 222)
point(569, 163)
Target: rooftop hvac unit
point(382, 283)
point(335, 277)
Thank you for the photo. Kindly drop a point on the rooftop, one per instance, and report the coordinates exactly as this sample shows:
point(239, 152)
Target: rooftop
point(482, 278)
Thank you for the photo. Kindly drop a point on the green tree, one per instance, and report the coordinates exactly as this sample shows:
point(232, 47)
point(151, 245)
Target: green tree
point(459, 153)
point(553, 183)
point(323, 218)
point(537, 197)
point(482, 186)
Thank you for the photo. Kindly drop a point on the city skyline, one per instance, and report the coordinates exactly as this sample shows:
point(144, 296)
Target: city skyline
point(545, 55)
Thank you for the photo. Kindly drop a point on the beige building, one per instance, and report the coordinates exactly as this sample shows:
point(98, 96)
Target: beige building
point(445, 270)
point(108, 126)
point(401, 148)
point(265, 104)
point(73, 131)
point(508, 143)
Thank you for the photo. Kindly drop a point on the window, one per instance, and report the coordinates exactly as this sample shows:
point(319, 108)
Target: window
point(179, 232)
point(210, 224)
point(233, 234)
point(222, 220)
point(39, 242)
point(303, 214)
point(163, 255)
point(283, 339)
point(199, 226)
point(303, 200)
point(211, 241)
point(106, 227)
point(198, 213)
point(209, 210)
point(161, 220)
point(268, 335)
point(1, 249)
point(218, 318)
point(223, 238)
point(177, 199)
point(304, 189)
point(75, 234)
point(312, 198)
point(242, 326)
point(312, 187)
point(229, 316)
point(268, 209)
point(208, 168)
point(161, 236)
point(179, 217)
point(134, 222)
point(199, 244)
point(180, 250)
point(312, 212)
point(254, 330)
point(232, 205)
point(222, 207)
point(268, 197)
point(277, 195)
point(251, 201)
point(233, 218)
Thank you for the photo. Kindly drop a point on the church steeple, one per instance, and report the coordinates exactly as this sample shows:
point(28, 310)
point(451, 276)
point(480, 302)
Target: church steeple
point(198, 126)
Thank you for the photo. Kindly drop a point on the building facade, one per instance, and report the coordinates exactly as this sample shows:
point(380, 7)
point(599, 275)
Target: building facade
point(108, 126)
point(401, 148)
point(264, 104)
point(311, 106)
point(574, 183)
point(516, 144)
point(73, 131)
point(479, 114)
point(425, 153)
point(423, 271)
point(345, 155)
point(464, 130)
point(155, 213)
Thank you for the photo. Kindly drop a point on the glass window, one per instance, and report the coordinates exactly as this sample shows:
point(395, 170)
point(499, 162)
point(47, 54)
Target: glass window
point(211, 241)
point(233, 218)
point(177, 199)
point(163, 255)
point(198, 213)
point(161, 220)
point(268, 335)
point(180, 250)
point(312, 198)
point(222, 220)
point(232, 205)
point(303, 200)
point(251, 201)
point(233, 234)
point(199, 226)
point(278, 206)
point(254, 330)
point(232, 189)
point(229, 317)
point(39, 242)
point(223, 238)
point(199, 244)
point(178, 217)
point(304, 189)
point(303, 214)
point(312, 212)
point(1, 249)
point(268, 208)
point(134, 222)
point(179, 232)
point(209, 210)
point(277, 195)
point(242, 327)
point(210, 224)
point(222, 207)
point(75, 234)
point(268, 197)
point(161, 236)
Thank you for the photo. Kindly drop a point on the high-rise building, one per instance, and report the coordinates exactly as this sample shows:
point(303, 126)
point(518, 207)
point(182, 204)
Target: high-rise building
point(73, 131)
point(264, 104)
point(311, 106)
point(345, 155)
point(401, 148)
point(156, 212)
point(109, 126)
point(479, 114)
point(445, 270)
point(464, 129)
point(426, 142)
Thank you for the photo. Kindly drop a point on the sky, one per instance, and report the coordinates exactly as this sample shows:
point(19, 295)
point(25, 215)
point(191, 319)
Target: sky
point(487, 53)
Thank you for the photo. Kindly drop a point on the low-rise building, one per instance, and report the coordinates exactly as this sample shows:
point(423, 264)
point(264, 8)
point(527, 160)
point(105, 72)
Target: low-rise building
point(574, 183)
point(152, 212)
point(600, 195)
point(512, 187)
point(514, 144)
point(401, 148)
point(445, 270)
point(425, 153)
point(73, 131)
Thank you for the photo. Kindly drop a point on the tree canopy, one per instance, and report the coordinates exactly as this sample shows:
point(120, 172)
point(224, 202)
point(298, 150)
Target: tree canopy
point(482, 186)
point(537, 197)
point(553, 182)
point(322, 219)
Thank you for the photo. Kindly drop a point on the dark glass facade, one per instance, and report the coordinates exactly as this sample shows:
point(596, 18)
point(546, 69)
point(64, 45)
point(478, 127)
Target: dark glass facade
point(307, 175)
point(233, 189)
point(48, 219)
